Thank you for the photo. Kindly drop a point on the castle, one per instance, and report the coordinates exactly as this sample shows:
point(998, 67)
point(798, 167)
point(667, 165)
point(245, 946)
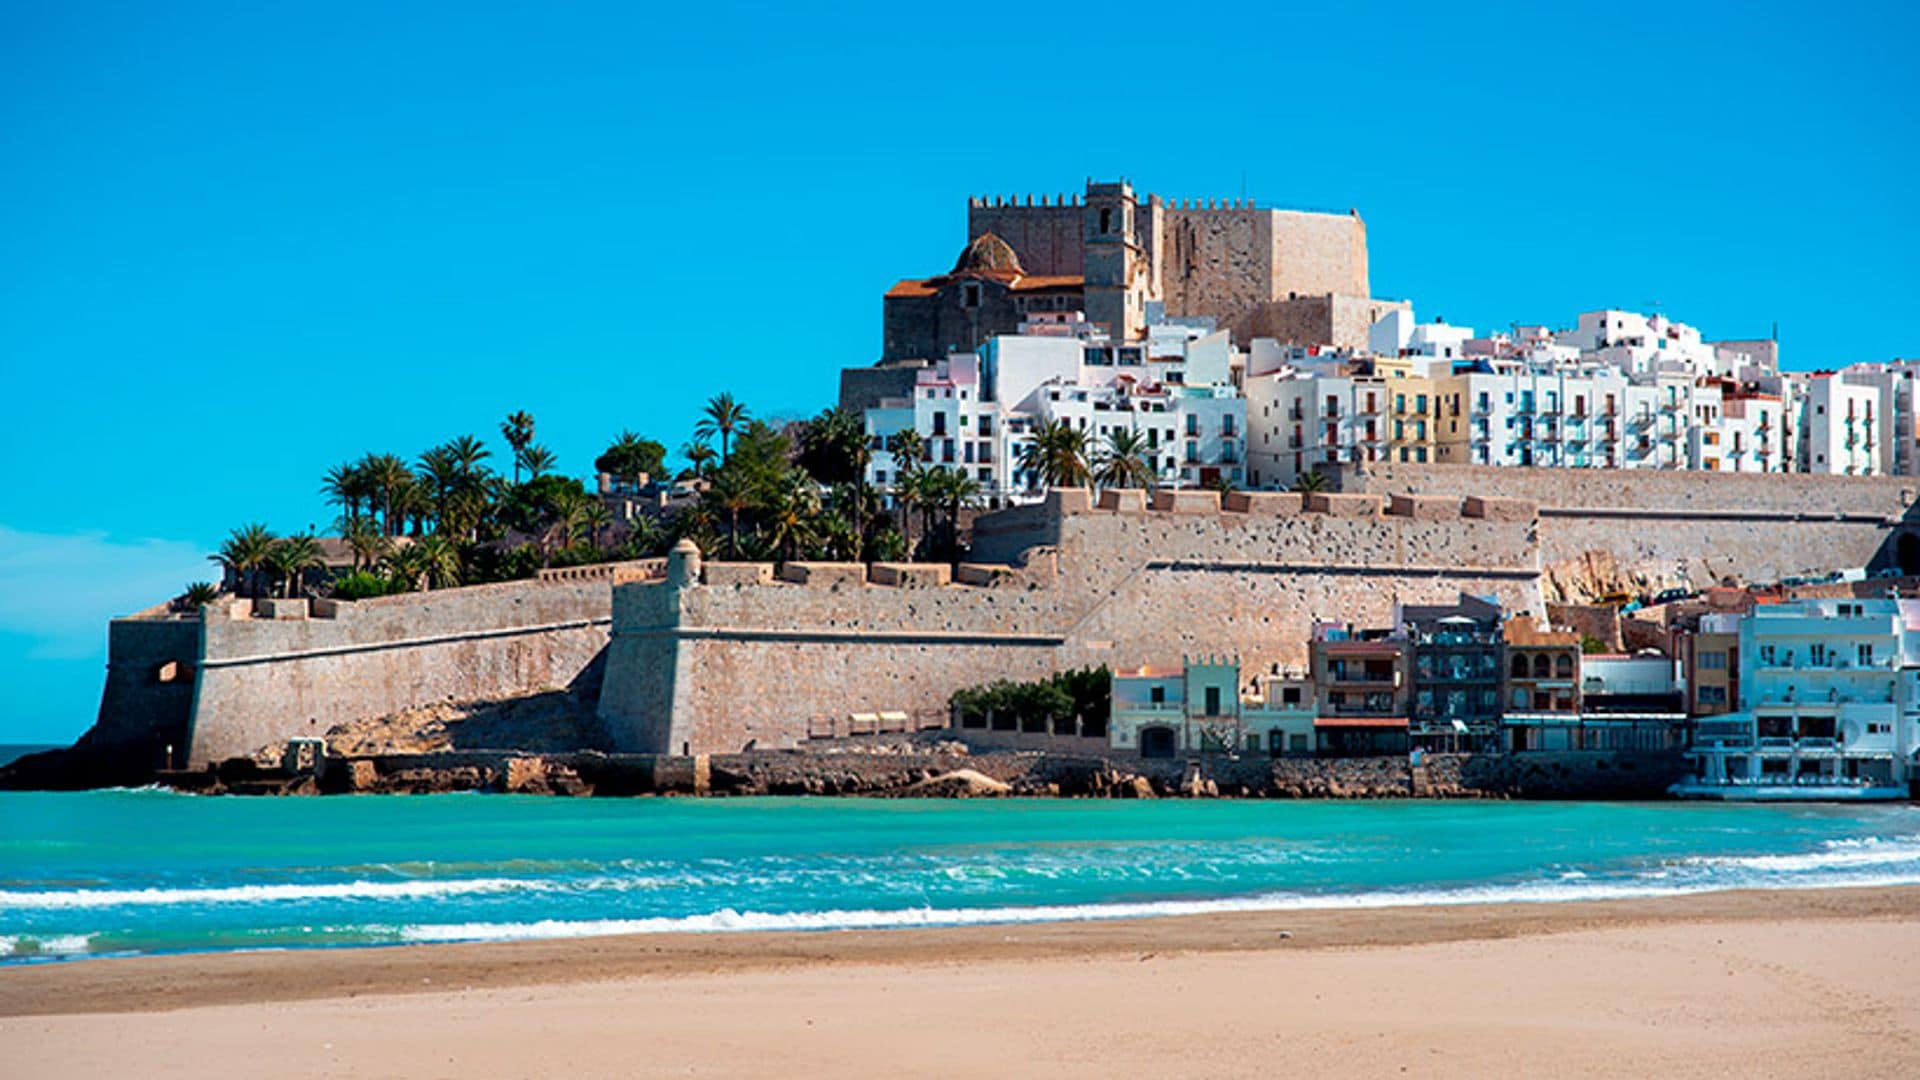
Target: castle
point(1121, 259)
point(694, 657)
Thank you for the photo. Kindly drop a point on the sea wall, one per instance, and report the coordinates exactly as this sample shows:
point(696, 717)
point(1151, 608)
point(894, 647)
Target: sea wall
point(297, 669)
point(146, 705)
point(1684, 526)
point(721, 660)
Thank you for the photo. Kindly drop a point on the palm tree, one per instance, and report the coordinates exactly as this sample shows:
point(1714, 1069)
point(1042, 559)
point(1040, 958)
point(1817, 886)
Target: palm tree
point(700, 458)
point(907, 447)
point(386, 476)
point(917, 488)
point(517, 429)
point(1126, 461)
point(597, 519)
point(198, 594)
point(953, 489)
point(244, 555)
point(1057, 455)
point(722, 417)
point(794, 510)
point(346, 486)
point(731, 493)
point(440, 473)
point(1310, 482)
point(292, 556)
point(369, 544)
point(430, 562)
point(536, 459)
point(468, 452)
point(563, 522)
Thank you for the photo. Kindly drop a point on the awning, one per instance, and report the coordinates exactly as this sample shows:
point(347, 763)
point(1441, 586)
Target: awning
point(1399, 722)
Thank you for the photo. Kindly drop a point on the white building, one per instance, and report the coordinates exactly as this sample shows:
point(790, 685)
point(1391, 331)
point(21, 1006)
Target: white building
point(1198, 708)
point(1829, 705)
point(976, 411)
point(1843, 426)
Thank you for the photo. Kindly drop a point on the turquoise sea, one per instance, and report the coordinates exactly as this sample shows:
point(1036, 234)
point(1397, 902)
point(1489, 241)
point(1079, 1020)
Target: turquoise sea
point(120, 872)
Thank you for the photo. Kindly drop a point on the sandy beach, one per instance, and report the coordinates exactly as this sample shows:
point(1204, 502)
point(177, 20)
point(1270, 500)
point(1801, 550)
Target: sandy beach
point(1813, 983)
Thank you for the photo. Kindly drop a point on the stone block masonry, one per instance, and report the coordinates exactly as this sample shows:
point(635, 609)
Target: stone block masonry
point(703, 668)
point(1680, 527)
point(233, 680)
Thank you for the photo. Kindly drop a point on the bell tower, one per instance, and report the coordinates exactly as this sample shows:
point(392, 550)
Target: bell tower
point(1113, 259)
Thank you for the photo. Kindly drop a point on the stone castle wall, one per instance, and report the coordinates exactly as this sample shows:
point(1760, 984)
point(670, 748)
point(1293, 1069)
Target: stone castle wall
point(1218, 258)
point(146, 706)
point(1690, 527)
point(248, 674)
point(734, 658)
point(1050, 240)
point(713, 667)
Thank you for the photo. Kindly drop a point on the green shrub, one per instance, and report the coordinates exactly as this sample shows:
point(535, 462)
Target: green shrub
point(360, 585)
point(1085, 692)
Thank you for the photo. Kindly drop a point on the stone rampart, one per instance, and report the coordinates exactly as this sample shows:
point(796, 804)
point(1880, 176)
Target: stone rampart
point(260, 681)
point(146, 707)
point(1682, 527)
point(706, 667)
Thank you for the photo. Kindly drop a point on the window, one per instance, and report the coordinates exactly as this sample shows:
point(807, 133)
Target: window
point(1106, 221)
point(970, 296)
point(1157, 695)
point(1213, 701)
point(1712, 661)
point(1713, 695)
point(1865, 654)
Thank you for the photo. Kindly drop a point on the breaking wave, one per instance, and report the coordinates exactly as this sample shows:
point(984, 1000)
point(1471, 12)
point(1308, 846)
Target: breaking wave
point(69, 899)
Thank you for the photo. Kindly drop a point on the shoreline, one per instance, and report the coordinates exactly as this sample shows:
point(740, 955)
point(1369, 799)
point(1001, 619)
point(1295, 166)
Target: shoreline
point(165, 983)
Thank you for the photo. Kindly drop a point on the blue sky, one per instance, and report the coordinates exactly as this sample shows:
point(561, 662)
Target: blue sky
point(247, 241)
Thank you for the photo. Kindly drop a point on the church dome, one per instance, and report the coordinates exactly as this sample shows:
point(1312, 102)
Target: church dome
point(988, 254)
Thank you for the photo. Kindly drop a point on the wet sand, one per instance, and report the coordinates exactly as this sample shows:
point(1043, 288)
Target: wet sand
point(1812, 983)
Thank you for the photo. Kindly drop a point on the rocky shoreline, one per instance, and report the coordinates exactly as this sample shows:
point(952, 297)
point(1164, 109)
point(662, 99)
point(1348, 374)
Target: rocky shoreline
point(945, 770)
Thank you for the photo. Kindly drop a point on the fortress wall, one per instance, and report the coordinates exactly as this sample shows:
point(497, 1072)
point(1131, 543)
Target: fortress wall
point(1171, 585)
point(1699, 553)
point(1318, 253)
point(1219, 263)
point(1691, 527)
point(147, 703)
point(262, 681)
point(1652, 489)
point(1049, 239)
point(707, 668)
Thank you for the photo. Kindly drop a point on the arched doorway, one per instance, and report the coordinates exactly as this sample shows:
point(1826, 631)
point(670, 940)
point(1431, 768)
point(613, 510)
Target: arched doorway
point(1906, 553)
point(1156, 741)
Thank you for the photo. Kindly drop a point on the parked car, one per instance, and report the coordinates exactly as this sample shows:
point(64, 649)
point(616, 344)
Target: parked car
point(1670, 596)
point(1888, 572)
